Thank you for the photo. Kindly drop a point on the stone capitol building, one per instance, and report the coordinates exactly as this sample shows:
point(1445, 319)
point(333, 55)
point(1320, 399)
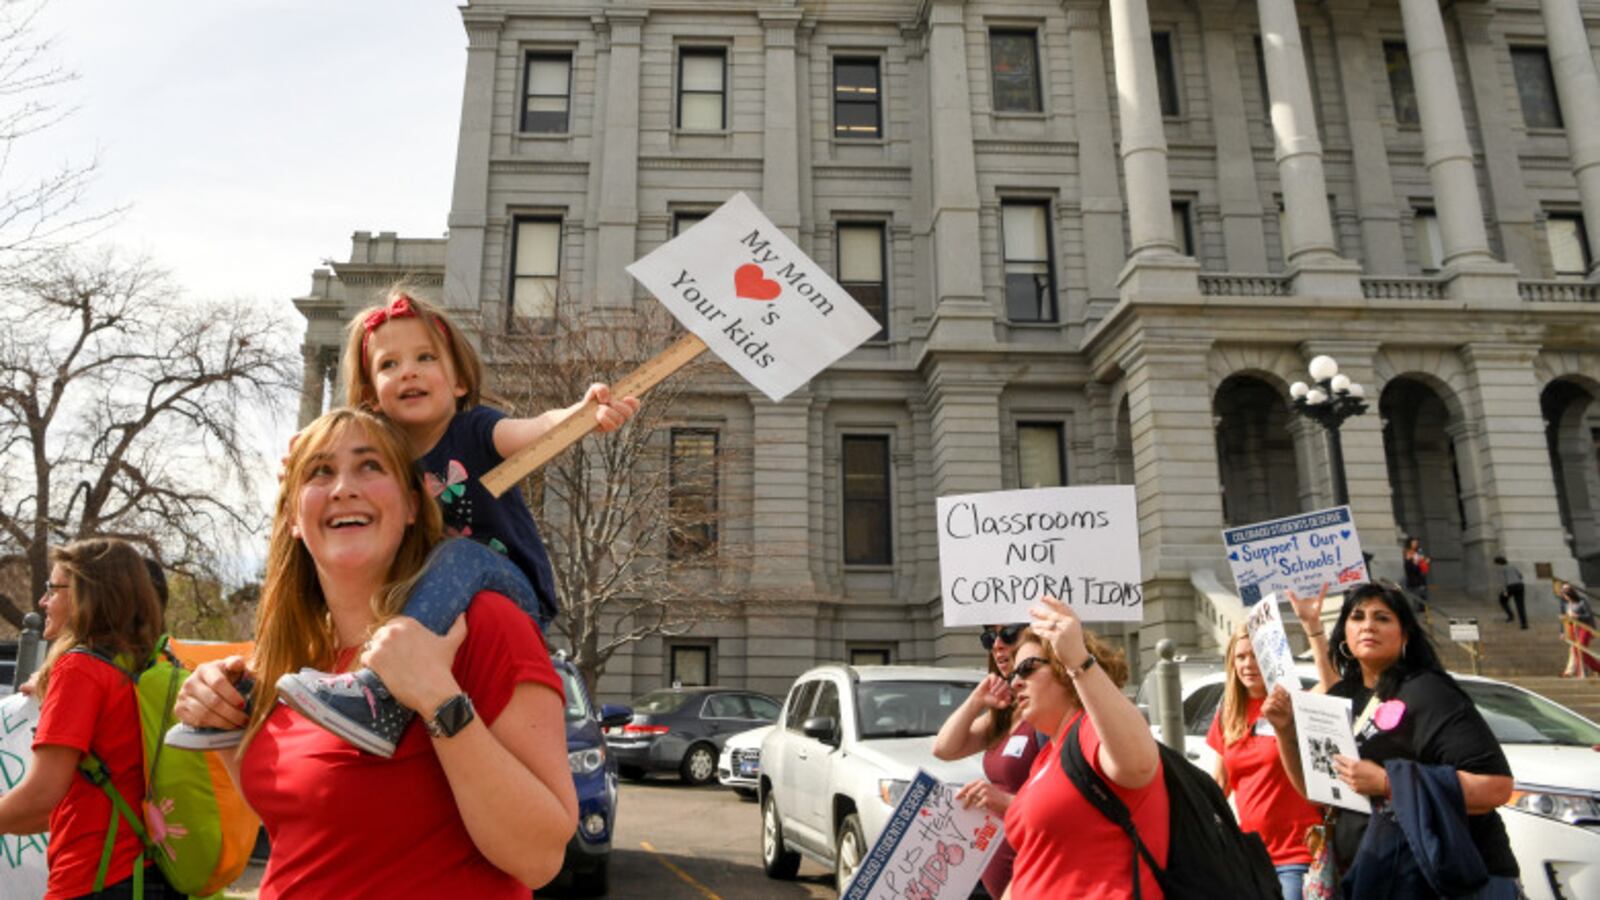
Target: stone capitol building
point(1102, 240)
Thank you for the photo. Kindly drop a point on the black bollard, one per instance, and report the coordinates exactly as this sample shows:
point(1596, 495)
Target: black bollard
point(30, 649)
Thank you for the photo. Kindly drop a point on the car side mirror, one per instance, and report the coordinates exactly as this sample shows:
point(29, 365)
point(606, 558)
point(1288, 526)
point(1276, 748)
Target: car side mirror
point(822, 728)
point(613, 715)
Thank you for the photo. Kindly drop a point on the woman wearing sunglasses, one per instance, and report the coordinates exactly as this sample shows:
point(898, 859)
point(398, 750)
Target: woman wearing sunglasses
point(986, 722)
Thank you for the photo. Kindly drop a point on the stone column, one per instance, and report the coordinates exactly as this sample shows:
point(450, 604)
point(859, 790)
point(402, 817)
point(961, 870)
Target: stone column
point(780, 138)
point(1244, 239)
point(961, 314)
point(1176, 479)
point(1513, 460)
point(1578, 88)
point(619, 167)
point(469, 202)
point(1513, 209)
point(1103, 250)
point(1382, 248)
point(1446, 150)
point(313, 383)
point(1294, 132)
point(1144, 139)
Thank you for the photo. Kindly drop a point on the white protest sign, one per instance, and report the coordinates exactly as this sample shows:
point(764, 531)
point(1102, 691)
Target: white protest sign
point(1464, 631)
point(23, 871)
point(1271, 644)
point(1323, 726)
point(1000, 552)
point(759, 303)
point(931, 848)
point(1297, 553)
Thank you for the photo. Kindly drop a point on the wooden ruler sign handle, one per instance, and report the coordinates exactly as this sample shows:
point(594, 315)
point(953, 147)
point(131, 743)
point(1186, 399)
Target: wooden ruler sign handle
point(572, 429)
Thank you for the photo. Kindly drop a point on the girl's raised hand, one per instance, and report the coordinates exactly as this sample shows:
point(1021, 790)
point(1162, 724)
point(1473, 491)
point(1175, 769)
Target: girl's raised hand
point(994, 691)
point(1054, 622)
point(610, 415)
point(1308, 609)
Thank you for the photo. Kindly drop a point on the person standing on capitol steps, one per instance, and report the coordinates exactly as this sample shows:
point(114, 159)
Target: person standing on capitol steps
point(100, 600)
point(987, 722)
point(1406, 708)
point(1512, 590)
point(1247, 749)
point(1418, 567)
point(1065, 676)
point(486, 786)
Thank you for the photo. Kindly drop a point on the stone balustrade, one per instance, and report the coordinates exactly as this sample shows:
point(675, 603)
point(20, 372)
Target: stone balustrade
point(1235, 284)
point(1559, 291)
point(1401, 289)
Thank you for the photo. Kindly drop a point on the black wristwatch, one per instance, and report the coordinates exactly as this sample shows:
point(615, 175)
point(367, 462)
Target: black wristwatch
point(452, 716)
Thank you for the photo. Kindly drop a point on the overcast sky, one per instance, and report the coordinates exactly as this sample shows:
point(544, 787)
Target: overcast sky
point(249, 138)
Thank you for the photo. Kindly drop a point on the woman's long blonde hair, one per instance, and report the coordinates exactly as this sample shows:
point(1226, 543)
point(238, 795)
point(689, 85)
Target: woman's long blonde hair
point(293, 627)
point(114, 606)
point(1235, 696)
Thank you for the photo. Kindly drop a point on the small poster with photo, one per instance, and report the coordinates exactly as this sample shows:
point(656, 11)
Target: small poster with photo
point(1323, 726)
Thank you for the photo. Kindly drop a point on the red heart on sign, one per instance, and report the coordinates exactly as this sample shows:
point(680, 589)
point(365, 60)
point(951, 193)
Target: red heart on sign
point(752, 283)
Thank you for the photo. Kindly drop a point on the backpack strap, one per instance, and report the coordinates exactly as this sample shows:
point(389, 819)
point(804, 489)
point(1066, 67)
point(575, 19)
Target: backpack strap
point(95, 772)
point(1100, 796)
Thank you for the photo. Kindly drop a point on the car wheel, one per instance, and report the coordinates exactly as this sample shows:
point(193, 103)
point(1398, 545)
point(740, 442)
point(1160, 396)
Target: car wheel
point(848, 851)
point(594, 883)
point(699, 765)
point(631, 773)
point(775, 860)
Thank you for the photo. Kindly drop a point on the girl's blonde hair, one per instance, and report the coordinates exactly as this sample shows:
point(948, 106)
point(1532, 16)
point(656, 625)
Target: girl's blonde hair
point(115, 610)
point(293, 627)
point(355, 369)
point(1235, 697)
point(1106, 655)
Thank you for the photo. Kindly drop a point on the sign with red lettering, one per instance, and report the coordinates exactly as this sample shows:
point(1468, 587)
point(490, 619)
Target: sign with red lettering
point(931, 848)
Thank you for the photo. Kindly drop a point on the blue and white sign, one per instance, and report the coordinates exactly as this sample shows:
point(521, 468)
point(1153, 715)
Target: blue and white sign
point(931, 849)
point(1299, 553)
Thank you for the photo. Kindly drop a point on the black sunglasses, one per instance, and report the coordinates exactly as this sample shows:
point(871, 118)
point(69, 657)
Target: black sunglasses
point(1027, 667)
point(1007, 634)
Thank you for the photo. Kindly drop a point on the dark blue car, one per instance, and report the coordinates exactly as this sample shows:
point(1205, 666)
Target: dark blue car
point(594, 774)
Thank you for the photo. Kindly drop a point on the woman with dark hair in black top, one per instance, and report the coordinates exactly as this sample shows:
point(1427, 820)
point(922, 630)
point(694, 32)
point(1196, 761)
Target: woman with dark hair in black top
point(1406, 707)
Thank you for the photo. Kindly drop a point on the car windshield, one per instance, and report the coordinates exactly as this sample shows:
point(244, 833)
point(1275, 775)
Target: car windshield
point(659, 702)
point(898, 709)
point(1519, 717)
point(577, 698)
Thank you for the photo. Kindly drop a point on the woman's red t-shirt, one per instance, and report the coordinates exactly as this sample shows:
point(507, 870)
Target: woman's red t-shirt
point(1267, 802)
point(1066, 847)
point(346, 824)
point(89, 707)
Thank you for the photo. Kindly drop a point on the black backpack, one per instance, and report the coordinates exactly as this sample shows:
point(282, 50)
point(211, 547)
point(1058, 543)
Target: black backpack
point(1207, 855)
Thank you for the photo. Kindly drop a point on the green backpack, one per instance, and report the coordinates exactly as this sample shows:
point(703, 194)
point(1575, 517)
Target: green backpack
point(191, 822)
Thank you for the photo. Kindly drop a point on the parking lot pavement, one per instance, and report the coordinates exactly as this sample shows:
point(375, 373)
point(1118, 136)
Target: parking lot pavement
point(680, 843)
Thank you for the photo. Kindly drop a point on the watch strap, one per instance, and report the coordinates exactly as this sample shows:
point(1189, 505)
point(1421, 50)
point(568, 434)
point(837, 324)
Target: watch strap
point(452, 716)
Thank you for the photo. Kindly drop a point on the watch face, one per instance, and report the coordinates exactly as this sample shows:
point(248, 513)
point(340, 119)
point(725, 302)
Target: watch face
point(453, 715)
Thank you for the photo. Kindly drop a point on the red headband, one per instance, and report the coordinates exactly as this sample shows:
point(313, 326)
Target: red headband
point(399, 308)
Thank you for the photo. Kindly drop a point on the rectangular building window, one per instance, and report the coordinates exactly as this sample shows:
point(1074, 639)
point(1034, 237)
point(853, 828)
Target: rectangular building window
point(1041, 455)
point(1014, 67)
point(702, 89)
point(1397, 60)
point(1569, 245)
point(870, 656)
point(684, 221)
point(857, 98)
point(689, 665)
point(536, 269)
point(861, 271)
point(548, 102)
point(1536, 87)
point(1166, 71)
point(1430, 242)
point(1029, 262)
point(1183, 226)
point(868, 540)
point(692, 493)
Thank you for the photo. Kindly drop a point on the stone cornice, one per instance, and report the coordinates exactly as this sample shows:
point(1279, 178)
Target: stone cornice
point(525, 166)
point(736, 164)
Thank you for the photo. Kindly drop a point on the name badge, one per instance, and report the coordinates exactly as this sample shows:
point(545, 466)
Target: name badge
point(1016, 746)
point(1264, 729)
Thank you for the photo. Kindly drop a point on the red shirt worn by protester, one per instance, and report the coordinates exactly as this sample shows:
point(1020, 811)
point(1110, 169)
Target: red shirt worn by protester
point(1267, 803)
point(1065, 847)
point(1007, 765)
point(345, 823)
point(89, 706)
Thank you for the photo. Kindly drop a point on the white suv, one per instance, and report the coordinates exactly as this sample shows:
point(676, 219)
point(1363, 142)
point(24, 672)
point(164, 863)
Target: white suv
point(849, 742)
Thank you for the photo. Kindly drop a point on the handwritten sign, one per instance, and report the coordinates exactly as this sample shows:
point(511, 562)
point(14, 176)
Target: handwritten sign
point(931, 848)
point(1000, 552)
point(1464, 631)
point(23, 872)
point(1298, 553)
point(1271, 644)
point(1322, 724)
point(757, 301)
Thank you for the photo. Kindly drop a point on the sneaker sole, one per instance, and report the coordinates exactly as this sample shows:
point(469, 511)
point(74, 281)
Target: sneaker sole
point(308, 705)
point(185, 738)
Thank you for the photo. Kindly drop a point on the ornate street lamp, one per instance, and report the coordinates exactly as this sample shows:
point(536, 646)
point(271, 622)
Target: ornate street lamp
point(1329, 401)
